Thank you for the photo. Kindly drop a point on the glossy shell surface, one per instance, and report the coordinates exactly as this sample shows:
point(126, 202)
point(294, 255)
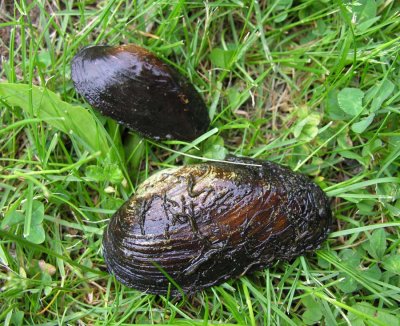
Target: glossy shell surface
point(134, 87)
point(206, 223)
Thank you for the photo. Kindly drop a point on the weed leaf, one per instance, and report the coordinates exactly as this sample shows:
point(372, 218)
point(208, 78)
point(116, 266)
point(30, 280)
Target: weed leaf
point(377, 244)
point(381, 92)
point(73, 120)
point(281, 8)
point(11, 219)
point(221, 58)
point(365, 14)
point(332, 107)
point(392, 264)
point(350, 101)
point(360, 126)
point(36, 233)
point(307, 128)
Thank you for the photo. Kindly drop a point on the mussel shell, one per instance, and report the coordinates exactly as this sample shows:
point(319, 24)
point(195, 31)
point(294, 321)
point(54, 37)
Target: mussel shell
point(205, 223)
point(134, 87)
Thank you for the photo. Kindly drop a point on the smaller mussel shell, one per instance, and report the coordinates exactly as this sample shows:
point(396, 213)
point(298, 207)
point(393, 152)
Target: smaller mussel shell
point(206, 223)
point(134, 87)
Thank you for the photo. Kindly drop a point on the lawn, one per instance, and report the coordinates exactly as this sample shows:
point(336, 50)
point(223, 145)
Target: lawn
point(312, 85)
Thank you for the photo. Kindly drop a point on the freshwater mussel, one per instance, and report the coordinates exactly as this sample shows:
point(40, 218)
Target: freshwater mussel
point(139, 90)
point(203, 224)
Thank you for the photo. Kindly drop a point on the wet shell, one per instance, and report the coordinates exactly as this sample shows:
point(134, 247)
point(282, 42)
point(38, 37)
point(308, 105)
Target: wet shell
point(206, 223)
point(134, 87)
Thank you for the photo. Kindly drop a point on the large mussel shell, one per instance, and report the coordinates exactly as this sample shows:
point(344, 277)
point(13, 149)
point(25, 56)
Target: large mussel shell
point(134, 87)
point(205, 223)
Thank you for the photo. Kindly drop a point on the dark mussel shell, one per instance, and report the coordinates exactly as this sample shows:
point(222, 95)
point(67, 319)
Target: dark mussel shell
point(205, 223)
point(134, 87)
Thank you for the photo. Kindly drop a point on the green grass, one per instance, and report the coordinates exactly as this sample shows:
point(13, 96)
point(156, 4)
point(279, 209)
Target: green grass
point(313, 85)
